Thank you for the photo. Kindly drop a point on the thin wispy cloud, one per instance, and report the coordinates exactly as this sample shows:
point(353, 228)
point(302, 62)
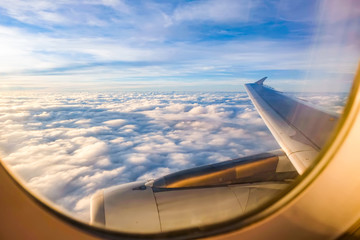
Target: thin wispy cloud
point(215, 11)
point(203, 40)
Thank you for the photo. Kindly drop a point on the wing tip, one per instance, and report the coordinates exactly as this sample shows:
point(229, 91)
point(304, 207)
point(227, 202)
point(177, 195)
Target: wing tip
point(261, 81)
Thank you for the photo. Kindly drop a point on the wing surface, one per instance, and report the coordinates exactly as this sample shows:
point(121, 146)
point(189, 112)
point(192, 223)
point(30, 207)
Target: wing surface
point(300, 128)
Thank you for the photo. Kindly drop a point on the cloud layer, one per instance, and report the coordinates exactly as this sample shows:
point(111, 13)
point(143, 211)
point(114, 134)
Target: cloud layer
point(67, 147)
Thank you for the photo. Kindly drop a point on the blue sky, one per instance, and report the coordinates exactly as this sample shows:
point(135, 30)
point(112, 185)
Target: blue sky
point(176, 45)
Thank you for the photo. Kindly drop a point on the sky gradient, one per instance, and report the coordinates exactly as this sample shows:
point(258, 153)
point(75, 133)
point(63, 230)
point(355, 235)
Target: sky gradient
point(176, 45)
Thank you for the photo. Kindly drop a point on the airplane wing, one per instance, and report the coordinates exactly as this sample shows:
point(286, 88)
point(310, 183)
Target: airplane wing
point(215, 193)
point(300, 128)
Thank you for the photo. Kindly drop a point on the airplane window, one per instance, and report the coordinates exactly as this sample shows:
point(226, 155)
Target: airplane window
point(149, 117)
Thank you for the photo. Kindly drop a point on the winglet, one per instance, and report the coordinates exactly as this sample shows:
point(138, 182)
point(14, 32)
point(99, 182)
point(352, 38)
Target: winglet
point(261, 81)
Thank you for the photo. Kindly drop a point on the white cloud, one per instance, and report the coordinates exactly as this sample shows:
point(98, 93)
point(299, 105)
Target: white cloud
point(67, 147)
point(115, 122)
point(48, 13)
point(212, 10)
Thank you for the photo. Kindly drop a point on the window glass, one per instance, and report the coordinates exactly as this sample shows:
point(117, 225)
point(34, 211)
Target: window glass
point(98, 94)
